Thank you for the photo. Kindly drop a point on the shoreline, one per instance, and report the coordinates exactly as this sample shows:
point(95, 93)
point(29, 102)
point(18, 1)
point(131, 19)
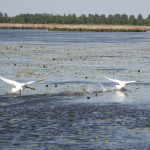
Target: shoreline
point(81, 28)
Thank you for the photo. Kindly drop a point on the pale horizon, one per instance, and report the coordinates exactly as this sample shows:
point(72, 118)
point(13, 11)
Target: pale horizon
point(78, 7)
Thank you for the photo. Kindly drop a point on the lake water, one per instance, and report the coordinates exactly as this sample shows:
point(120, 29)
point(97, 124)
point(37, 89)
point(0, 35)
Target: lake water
point(75, 107)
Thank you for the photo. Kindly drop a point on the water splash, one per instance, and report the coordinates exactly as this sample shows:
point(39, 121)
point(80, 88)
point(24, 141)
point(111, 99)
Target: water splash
point(99, 88)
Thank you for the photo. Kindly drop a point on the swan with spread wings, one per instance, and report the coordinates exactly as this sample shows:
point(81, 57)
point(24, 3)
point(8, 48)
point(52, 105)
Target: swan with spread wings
point(19, 87)
point(121, 84)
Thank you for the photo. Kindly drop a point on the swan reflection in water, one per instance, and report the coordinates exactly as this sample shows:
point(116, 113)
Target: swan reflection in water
point(120, 96)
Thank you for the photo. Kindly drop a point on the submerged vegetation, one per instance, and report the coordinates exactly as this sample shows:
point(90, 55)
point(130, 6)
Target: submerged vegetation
point(97, 30)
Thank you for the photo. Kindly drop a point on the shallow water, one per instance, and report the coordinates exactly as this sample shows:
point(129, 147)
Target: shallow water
point(61, 114)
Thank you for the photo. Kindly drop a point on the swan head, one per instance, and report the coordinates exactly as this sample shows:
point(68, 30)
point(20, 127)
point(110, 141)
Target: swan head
point(121, 86)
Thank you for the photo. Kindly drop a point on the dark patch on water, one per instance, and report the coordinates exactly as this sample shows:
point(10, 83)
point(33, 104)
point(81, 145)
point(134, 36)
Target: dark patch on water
point(142, 83)
point(64, 38)
point(112, 69)
point(73, 82)
point(58, 122)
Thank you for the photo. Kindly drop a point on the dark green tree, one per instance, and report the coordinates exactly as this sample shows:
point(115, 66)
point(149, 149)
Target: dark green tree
point(139, 17)
point(1, 14)
point(148, 17)
point(5, 15)
point(132, 20)
point(124, 19)
point(118, 19)
point(110, 19)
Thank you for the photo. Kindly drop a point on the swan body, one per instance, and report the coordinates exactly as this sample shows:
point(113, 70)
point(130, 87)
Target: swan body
point(19, 87)
point(121, 84)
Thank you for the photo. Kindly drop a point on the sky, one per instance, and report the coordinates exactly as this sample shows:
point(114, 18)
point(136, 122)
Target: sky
point(79, 7)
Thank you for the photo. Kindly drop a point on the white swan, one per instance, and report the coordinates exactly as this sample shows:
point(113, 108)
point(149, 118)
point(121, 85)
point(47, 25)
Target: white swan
point(121, 84)
point(19, 86)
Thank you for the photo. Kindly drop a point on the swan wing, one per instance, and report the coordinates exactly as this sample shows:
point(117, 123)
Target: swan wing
point(30, 82)
point(130, 81)
point(10, 81)
point(114, 80)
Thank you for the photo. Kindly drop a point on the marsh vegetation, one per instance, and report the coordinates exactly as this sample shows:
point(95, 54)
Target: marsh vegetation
point(79, 28)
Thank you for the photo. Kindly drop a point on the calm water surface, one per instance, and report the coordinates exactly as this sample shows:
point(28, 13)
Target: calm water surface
point(61, 114)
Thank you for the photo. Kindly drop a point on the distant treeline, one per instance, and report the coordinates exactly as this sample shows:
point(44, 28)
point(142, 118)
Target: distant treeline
point(117, 19)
